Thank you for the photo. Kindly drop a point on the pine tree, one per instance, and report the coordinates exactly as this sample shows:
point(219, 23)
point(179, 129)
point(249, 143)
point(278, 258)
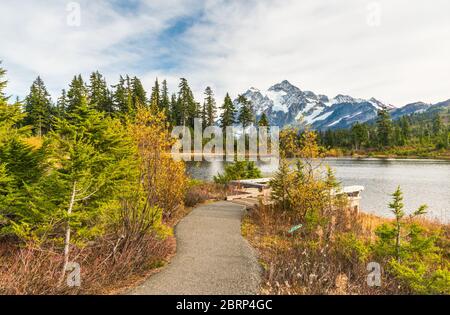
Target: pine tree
point(122, 97)
point(359, 135)
point(437, 125)
point(62, 104)
point(99, 94)
point(90, 155)
point(139, 96)
point(263, 121)
point(155, 98)
point(210, 107)
point(384, 128)
point(19, 163)
point(227, 118)
point(165, 101)
point(204, 116)
point(188, 108)
point(280, 185)
point(405, 128)
point(77, 91)
point(2, 83)
point(174, 110)
point(246, 117)
point(38, 106)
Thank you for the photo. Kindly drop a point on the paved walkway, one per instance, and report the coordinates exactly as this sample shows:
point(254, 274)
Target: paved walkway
point(212, 257)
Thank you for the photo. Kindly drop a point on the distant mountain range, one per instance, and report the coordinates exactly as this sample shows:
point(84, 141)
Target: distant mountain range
point(287, 105)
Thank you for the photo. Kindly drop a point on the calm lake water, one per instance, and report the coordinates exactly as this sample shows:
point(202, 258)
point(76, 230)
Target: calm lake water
point(422, 181)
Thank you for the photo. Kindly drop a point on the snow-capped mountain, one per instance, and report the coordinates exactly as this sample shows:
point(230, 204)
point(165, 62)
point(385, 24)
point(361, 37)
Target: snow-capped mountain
point(285, 104)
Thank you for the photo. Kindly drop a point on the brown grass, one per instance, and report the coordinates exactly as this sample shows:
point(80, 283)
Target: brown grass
point(36, 270)
point(305, 264)
point(205, 191)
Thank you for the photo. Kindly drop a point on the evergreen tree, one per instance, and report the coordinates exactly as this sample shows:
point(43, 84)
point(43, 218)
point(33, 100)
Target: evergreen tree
point(91, 156)
point(210, 107)
point(38, 107)
point(246, 117)
point(62, 104)
point(122, 97)
point(165, 101)
point(263, 121)
point(405, 127)
point(359, 135)
point(384, 128)
point(437, 125)
point(2, 83)
point(155, 99)
point(204, 116)
point(99, 94)
point(139, 96)
point(280, 185)
point(19, 163)
point(174, 112)
point(77, 91)
point(187, 107)
point(227, 118)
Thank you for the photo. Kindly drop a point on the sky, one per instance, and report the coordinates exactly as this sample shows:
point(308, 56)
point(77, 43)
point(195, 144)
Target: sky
point(397, 51)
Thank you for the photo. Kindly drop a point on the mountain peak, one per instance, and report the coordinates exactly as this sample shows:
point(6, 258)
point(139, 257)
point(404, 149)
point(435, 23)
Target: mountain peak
point(284, 85)
point(340, 98)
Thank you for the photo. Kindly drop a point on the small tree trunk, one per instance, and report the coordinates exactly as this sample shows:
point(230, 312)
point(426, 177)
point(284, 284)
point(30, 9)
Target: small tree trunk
point(397, 241)
point(68, 231)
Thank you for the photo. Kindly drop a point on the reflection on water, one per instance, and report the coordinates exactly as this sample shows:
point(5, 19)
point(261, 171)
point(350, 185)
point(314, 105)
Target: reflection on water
point(422, 181)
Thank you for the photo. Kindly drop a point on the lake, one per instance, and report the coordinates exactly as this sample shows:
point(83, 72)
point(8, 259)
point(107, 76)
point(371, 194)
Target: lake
point(422, 181)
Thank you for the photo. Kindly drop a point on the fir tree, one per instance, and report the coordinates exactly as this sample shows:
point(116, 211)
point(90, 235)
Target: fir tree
point(227, 117)
point(99, 94)
point(38, 106)
point(2, 83)
point(263, 121)
point(89, 153)
point(437, 125)
point(188, 108)
point(139, 96)
point(384, 128)
point(62, 104)
point(122, 97)
point(77, 91)
point(165, 101)
point(210, 107)
point(174, 110)
point(246, 117)
point(155, 98)
point(280, 185)
point(359, 135)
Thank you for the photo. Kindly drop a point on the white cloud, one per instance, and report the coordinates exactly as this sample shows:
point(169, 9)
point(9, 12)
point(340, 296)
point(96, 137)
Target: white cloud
point(326, 46)
point(36, 39)
point(322, 45)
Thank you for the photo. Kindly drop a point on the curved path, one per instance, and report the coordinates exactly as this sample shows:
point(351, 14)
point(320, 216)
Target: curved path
point(212, 256)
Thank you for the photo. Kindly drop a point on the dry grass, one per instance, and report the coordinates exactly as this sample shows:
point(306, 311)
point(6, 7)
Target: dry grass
point(306, 264)
point(205, 191)
point(36, 270)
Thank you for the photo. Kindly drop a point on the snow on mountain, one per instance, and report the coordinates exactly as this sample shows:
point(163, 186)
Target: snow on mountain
point(287, 105)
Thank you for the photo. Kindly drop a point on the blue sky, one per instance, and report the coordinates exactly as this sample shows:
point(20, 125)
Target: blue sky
point(394, 50)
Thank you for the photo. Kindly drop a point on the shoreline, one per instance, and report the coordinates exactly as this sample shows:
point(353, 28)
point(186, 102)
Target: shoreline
point(356, 157)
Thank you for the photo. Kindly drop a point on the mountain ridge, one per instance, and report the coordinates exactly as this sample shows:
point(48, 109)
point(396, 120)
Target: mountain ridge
point(287, 105)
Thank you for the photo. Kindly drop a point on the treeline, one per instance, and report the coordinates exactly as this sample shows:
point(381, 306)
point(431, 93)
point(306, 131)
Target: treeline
point(123, 99)
point(417, 131)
